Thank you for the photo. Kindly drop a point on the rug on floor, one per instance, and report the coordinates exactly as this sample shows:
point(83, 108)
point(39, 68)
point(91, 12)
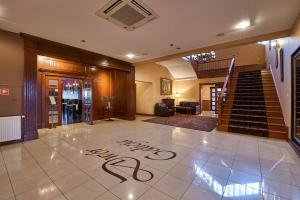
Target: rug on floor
point(195, 122)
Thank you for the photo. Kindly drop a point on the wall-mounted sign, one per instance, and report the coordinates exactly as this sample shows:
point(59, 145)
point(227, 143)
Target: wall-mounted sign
point(52, 100)
point(4, 91)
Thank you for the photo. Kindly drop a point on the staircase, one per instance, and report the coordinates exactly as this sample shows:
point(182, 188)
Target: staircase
point(252, 106)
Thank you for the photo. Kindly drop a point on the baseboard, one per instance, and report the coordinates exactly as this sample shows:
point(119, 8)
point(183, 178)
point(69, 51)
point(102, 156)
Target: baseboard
point(296, 149)
point(10, 142)
point(144, 114)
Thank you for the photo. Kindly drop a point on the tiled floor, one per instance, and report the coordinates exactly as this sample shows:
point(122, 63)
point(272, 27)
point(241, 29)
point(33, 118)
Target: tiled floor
point(145, 161)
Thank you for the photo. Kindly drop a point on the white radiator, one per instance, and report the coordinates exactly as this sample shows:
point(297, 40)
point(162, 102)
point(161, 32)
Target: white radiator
point(10, 128)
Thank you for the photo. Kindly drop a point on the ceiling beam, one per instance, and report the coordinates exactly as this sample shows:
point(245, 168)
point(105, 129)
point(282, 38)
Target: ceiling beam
point(254, 39)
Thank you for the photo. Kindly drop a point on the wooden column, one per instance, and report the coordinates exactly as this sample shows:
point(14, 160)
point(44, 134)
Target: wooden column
point(131, 96)
point(30, 93)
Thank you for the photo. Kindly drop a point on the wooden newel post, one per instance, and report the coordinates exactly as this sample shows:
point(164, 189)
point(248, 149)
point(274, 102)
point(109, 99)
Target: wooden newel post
point(219, 109)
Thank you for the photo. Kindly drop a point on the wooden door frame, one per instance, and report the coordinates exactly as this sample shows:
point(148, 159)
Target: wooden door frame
point(211, 88)
point(200, 87)
point(34, 46)
point(59, 76)
point(295, 142)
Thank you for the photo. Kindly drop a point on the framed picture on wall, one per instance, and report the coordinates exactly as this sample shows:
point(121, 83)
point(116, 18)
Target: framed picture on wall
point(281, 57)
point(165, 86)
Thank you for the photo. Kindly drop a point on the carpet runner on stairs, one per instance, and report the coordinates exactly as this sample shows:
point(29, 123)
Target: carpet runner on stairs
point(248, 113)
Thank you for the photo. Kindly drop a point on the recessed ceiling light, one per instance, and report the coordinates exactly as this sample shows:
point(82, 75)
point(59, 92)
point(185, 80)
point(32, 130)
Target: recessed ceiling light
point(130, 55)
point(243, 24)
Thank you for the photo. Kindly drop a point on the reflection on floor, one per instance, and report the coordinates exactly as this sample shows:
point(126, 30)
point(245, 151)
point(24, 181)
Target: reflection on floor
point(138, 160)
point(209, 114)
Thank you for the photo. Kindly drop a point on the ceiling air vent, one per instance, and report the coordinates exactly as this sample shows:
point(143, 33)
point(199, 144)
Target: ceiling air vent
point(128, 14)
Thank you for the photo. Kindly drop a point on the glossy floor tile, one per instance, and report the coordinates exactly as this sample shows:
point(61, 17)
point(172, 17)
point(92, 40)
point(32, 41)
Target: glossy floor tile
point(139, 160)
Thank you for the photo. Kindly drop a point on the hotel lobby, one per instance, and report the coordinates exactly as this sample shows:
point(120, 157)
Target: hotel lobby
point(150, 100)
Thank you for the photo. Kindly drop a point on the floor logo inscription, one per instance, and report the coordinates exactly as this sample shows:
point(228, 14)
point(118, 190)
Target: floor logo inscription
point(114, 161)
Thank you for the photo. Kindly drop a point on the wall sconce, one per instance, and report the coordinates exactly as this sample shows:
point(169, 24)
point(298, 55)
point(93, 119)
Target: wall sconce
point(93, 68)
point(104, 63)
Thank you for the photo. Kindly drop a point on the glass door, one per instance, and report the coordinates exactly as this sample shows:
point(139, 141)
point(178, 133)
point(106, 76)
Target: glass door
point(87, 104)
point(214, 98)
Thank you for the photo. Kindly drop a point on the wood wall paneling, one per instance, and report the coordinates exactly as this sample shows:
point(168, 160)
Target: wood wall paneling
point(131, 95)
point(206, 105)
point(114, 78)
point(30, 92)
point(101, 87)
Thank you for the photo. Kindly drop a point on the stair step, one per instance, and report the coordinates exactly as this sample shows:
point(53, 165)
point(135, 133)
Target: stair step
point(270, 103)
point(257, 124)
point(248, 130)
point(242, 84)
point(255, 98)
point(256, 106)
point(237, 94)
point(251, 86)
point(253, 112)
point(254, 89)
point(275, 120)
point(248, 123)
point(259, 132)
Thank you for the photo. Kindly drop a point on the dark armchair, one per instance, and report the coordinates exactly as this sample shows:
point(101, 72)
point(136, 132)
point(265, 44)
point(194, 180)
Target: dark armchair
point(194, 105)
point(162, 110)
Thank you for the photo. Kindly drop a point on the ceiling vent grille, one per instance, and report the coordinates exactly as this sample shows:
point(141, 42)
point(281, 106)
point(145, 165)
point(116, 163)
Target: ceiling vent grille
point(128, 14)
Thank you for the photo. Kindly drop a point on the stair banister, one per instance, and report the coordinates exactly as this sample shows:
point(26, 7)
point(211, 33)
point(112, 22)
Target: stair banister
point(222, 95)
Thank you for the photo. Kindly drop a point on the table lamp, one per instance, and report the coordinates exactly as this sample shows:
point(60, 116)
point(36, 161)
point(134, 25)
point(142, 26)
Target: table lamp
point(177, 96)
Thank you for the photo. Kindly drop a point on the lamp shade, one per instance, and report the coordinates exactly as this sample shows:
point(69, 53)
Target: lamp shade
point(177, 95)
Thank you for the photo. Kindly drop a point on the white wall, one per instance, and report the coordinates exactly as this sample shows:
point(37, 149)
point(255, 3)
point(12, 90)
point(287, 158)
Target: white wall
point(289, 45)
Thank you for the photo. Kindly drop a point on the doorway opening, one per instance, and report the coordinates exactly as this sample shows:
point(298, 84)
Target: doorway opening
point(71, 101)
point(214, 98)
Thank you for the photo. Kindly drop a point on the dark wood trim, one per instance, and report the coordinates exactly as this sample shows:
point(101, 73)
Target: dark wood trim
point(33, 94)
point(10, 142)
point(293, 96)
point(294, 147)
point(49, 48)
point(131, 95)
point(144, 114)
point(61, 73)
point(200, 86)
point(30, 93)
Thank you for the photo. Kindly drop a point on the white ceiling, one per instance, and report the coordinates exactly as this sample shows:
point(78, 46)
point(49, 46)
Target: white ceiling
point(179, 68)
point(188, 24)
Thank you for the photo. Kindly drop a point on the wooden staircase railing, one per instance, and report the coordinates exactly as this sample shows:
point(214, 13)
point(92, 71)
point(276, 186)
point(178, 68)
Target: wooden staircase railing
point(222, 95)
point(215, 68)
